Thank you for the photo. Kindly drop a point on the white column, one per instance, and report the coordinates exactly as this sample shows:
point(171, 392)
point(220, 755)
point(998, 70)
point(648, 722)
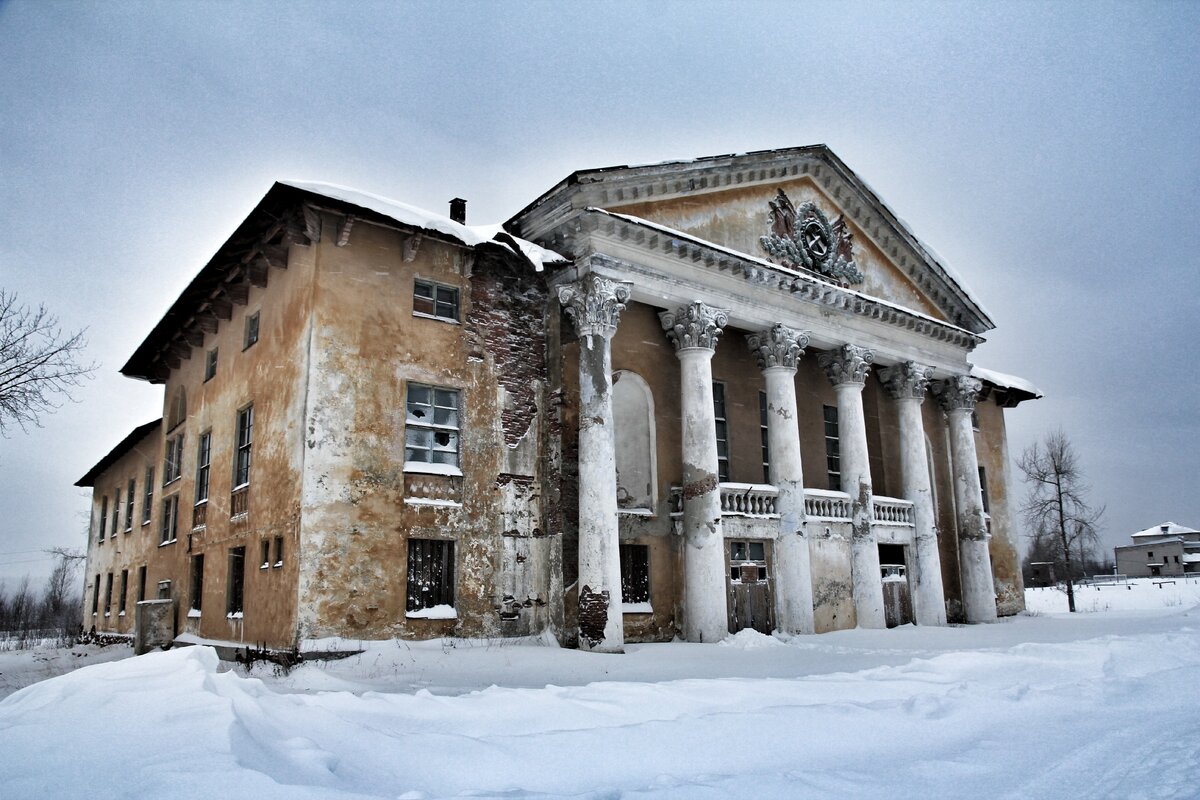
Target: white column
point(957, 397)
point(847, 369)
point(595, 304)
point(694, 330)
point(907, 383)
point(778, 349)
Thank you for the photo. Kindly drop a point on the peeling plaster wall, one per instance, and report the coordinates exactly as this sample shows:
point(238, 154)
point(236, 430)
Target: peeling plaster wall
point(991, 444)
point(360, 506)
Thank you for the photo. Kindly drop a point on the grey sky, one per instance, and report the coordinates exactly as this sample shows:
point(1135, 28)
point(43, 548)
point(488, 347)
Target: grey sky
point(1048, 152)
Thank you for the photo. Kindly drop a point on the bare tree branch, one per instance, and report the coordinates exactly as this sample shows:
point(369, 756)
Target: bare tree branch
point(39, 363)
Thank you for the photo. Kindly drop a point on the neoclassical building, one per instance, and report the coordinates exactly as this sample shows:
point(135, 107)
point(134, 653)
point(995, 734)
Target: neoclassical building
point(678, 399)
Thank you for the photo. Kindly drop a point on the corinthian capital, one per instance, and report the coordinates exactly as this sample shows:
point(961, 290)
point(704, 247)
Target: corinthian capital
point(777, 346)
point(908, 379)
point(595, 304)
point(957, 393)
point(694, 325)
point(847, 364)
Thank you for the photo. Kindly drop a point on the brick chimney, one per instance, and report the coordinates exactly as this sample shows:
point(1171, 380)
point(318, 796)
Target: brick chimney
point(458, 210)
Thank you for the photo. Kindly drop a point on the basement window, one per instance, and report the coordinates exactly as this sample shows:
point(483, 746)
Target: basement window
point(430, 579)
point(435, 300)
point(635, 578)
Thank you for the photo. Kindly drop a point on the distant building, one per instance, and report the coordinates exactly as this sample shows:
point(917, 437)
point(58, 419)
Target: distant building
point(741, 397)
point(1161, 550)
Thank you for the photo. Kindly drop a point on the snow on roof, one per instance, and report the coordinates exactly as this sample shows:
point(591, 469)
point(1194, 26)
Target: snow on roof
point(1165, 529)
point(678, 234)
point(412, 216)
point(1005, 381)
point(1191, 558)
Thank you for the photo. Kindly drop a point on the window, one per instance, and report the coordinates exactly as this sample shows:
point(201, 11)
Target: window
point(266, 554)
point(1164, 559)
point(203, 454)
point(635, 573)
point(435, 300)
point(108, 595)
point(763, 431)
point(237, 582)
point(148, 496)
point(747, 561)
point(251, 335)
point(722, 431)
point(833, 451)
point(170, 520)
point(430, 574)
point(1176, 559)
point(164, 590)
point(210, 365)
point(173, 461)
point(124, 591)
point(96, 596)
point(141, 595)
point(984, 490)
point(278, 551)
point(431, 427)
point(245, 439)
point(178, 409)
point(197, 593)
point(103, 516)
point(116, 510)
point(129, 505)
point(1149, 554)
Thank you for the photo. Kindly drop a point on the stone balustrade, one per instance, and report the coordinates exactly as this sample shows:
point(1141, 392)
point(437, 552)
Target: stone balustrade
point(892, 511)
point(826, 505)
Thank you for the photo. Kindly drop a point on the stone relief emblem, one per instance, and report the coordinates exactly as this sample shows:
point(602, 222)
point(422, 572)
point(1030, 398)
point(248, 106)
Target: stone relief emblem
point(803, 238)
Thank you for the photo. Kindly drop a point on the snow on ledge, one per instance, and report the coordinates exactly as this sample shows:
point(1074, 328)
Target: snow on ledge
point(1005, 381)
point(431, 501)
point(636, 608)
point(434, 612)
point(426, 468)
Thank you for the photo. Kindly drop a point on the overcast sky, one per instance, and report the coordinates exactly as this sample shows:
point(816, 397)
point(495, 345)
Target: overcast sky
point(1047, 152)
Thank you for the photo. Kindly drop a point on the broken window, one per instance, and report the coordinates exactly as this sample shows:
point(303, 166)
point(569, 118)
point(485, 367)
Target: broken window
point(635, 573)
point(170, 520)
point(251, 334)
point(197, 593)
point(833, 452)
point(763, 434)
point(722, 431)
point(435, 300)
point(431, 425)
point(430, 574)
point(237, 581)
point(210, 365)
point(245, 440)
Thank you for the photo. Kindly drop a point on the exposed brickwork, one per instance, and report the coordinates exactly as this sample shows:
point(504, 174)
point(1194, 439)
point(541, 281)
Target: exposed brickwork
point(593, 615)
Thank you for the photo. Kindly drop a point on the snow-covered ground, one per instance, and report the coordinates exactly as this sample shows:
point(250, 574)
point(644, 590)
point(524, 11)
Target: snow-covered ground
point(1093, 704)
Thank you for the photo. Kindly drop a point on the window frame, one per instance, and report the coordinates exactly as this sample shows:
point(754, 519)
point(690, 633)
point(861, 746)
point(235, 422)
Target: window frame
point(168, 532)
point(148, 496)
point(435, 561)
point(983, 491)
point(413, 424)
point(130, 492)
point(251, 331)
point(635, 574)
point(116, 511)
point(721, 430)
point(764, 428)
point(108, 591)
point(103, 516)
point(435, 302)
point(196, 589)
point(235, 584)
point(210, 364)
point(203, 467)
point(243, 450)
point(833, 447)
point(173, 460)
point(124, 592)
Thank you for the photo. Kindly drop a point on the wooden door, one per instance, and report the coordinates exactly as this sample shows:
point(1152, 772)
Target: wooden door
point(751, 604)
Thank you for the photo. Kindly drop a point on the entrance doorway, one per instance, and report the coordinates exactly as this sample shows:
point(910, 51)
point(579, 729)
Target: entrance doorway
point(897, 602)
point(751, 604)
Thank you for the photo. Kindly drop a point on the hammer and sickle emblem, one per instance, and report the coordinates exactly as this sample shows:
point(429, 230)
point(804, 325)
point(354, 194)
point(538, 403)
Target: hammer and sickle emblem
point(815, 241)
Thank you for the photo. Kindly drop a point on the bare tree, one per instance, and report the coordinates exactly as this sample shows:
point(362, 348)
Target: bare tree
point(1056, 507)
point(38, 362)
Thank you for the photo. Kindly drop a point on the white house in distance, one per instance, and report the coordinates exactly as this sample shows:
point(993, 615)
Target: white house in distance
point(1160, 551)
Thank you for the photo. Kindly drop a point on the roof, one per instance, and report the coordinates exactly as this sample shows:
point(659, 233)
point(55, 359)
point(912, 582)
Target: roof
point(261, 240)
point(677, 172)
point(135, 436)
point(1172, 529)
point(1014, 389)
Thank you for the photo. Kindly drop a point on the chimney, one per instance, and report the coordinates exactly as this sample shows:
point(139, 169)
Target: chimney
point(458, 210)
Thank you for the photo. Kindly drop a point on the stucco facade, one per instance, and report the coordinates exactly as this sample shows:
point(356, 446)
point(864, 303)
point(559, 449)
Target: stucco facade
point(633, 422)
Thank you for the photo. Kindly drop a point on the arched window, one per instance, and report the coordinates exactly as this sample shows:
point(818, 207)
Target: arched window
point(633, 424)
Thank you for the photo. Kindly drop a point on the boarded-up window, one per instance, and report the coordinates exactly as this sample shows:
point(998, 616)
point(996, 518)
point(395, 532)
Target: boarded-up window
point(633, 425)
point(430, 574)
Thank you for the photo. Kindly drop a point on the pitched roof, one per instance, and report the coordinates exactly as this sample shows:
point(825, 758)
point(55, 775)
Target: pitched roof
point(135, 436)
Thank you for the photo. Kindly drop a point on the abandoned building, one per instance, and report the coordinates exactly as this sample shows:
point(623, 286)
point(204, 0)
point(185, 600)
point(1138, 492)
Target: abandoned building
point(679, 399)
point(1164, 550)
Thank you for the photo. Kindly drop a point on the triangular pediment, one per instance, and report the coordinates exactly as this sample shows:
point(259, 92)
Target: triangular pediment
point(801, 208)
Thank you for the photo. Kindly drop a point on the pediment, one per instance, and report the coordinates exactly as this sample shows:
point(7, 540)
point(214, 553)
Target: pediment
point(800, 208)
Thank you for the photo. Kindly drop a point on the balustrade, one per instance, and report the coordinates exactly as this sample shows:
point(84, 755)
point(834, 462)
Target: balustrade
point(892, 511)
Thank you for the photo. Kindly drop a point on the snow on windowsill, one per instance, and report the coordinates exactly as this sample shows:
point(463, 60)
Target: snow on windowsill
point(234, 615)
point(265, 565)
point(430, 501)
point(448, 320)
point(434, 612)
point(120, 613)
point(636, 608)
point(427, 468)
point(636, 512)
point(193, 613)
point(167, 542)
